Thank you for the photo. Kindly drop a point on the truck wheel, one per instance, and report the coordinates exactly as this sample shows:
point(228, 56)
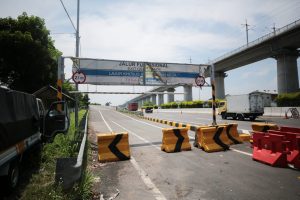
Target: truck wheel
point(240, 117)
point(13, 175)
point(252, 118)
point(223, 115)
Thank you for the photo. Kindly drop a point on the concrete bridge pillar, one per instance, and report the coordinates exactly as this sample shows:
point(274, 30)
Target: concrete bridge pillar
point(160, 99)
point(140, 103)
point(188, 95)
point(287, 72)
point(148, 99)
point(219, 83)
point(153, 98)
point(145, 100)
point(171, 96)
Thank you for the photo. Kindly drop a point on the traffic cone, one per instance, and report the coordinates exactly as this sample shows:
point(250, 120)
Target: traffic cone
point(286, 117)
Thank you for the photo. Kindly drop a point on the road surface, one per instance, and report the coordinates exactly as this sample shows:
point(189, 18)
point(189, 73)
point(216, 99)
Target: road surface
point(155, 174)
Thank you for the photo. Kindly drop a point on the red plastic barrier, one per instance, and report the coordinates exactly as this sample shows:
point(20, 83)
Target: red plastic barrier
point(269, 149)
point(292, 147)
point(290, 129)
point(297, 159)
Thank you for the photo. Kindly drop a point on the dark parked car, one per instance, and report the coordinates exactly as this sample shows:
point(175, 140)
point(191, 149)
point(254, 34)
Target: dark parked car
point(149, 110)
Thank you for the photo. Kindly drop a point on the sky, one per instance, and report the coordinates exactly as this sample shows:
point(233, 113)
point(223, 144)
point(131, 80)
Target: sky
point(173, 31)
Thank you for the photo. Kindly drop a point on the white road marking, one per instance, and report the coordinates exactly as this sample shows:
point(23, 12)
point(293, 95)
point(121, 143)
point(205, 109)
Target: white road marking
point(233, 149)
point(151, 186)
point(244, 131)
point(203, 119)
point(141, 121)
point(241, 152)
point(192, 137)
point(136, 135)
point(105, 122)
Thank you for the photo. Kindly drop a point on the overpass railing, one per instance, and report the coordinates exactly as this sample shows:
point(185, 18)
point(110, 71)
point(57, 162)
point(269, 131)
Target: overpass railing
point(260, 40)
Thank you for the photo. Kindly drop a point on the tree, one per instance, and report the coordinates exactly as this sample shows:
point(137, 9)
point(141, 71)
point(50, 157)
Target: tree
point(28, 58)
point(85, 100)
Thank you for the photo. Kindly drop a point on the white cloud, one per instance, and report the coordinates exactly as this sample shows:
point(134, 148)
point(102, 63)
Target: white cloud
point(261, 72)
point(159, 30)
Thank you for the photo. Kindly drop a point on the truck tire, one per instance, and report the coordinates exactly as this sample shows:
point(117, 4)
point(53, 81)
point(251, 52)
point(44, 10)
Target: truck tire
point(252, 118)
point(12, 178)
point(240, 117)
point(223, 115)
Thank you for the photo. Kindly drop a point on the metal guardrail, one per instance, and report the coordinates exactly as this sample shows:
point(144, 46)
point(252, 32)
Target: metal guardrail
point(69, 170)
point(260, 40)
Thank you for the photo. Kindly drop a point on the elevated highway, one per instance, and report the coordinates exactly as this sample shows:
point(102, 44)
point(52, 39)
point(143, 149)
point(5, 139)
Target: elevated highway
point(282, 45)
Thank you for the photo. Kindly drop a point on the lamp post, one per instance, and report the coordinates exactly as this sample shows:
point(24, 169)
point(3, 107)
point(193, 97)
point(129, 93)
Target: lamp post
point(77, 55)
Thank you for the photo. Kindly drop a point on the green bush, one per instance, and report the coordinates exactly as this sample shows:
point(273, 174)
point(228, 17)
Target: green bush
point(288, 99)
point(42, 184)
point(169, 105)
point(189, 104)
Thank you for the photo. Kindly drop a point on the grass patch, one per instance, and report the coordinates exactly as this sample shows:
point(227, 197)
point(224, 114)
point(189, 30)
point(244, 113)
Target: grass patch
point(42, 184)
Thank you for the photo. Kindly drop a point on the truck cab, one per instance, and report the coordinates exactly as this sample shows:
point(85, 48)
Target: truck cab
point(24, 122)
point(222, 107)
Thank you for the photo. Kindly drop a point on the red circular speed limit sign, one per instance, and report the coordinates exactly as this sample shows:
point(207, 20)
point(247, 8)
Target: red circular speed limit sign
point(79, 77)
point(200, 81)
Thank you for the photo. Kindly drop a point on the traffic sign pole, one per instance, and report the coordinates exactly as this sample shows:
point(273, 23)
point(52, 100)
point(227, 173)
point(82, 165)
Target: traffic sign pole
point(60, 80)
point(77, 55)
point(212, 79)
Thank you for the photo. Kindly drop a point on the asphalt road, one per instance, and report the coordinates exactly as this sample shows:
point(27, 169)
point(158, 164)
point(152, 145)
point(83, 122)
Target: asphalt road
point(206, 119)
point(155, 174)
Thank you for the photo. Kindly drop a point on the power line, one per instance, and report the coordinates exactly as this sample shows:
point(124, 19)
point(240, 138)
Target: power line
point(68, 15)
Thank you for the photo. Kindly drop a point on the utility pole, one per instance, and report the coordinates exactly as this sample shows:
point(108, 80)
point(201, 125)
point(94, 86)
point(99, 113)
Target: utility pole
point(247, 29)
point(77, 56)
point(274, 29)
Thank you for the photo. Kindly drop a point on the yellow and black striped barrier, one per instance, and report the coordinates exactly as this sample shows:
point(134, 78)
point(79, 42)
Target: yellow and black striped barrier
point(245, 137)
point(172, 123)
point(113, 147)
point(59, 94)
point(212, 139)
point(223, 136)
point(232, 133)
point(263, 127)
point(175, 140)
